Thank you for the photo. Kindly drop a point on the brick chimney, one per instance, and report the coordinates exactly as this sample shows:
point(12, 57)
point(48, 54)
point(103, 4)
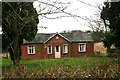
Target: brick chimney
point(88, 31)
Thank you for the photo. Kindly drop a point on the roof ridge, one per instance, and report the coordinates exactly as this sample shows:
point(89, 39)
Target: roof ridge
point(71, 37)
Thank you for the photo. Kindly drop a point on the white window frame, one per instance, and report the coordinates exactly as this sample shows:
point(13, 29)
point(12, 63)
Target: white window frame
point(66, 48)
point(84, 47)
point(48, 49)
point(31, 47)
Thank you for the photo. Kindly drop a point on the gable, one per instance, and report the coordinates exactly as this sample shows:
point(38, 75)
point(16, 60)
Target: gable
point(57, 38)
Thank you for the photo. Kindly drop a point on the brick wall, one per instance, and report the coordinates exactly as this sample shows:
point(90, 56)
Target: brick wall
point(39, 51)
point(89, 49)
point(57, 42)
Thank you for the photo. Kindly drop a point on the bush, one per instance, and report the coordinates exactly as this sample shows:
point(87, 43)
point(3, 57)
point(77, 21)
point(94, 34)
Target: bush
point(106, 69)
point(113, 53)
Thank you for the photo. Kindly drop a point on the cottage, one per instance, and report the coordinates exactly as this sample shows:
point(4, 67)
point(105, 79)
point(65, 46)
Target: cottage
point(57, 45)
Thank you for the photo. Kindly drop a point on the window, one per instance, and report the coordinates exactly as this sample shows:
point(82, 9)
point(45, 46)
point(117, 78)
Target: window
point(31, 49)
point(49, 50)
point(65, 48)
point(82, 47)
point(57, 48)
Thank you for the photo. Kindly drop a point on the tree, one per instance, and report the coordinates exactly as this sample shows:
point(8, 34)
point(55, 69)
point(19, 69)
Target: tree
point(19, 21)
point(111, 17)
point(53, 9)
point(0, 28)
point(99, 30)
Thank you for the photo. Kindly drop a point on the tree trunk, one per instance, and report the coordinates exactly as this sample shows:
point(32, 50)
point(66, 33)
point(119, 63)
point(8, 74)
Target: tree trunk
point(15, 51)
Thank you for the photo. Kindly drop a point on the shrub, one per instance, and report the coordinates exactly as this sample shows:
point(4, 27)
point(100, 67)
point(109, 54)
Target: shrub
point(106, 69)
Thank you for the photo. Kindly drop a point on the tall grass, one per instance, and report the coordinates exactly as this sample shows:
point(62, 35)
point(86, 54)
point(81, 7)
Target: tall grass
point(79, 67)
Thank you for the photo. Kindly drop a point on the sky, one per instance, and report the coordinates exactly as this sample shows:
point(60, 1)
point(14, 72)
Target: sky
point(69, 23)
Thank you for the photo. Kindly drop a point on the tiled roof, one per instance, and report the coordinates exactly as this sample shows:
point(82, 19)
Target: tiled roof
point(78, 36)
point(39, 38)
point(71, 36)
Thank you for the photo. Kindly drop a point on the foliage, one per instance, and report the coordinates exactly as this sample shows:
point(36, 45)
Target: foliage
point(100, 54)
point(111, 16)
point(19, 21)
point(0, 43)
point(98, 36)
point(79, 67)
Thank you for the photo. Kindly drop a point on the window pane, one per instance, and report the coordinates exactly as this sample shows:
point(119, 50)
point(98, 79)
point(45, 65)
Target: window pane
point(57, 48)
point(65, 48)
point(81, 47)
point(49, 49)
point(31, 49)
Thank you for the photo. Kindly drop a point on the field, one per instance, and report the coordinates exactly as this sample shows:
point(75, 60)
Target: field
point(79, 67)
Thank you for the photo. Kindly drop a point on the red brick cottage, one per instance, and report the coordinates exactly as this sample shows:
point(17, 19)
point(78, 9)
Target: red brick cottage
point(58, 45)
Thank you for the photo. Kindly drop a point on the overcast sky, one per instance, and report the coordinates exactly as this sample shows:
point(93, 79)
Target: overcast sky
point(59, 25)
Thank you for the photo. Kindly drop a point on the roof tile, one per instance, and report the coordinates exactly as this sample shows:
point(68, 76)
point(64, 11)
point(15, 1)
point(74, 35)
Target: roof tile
point(72, 36)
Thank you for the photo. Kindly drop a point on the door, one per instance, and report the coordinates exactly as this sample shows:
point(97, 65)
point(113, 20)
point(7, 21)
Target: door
point(57, 52)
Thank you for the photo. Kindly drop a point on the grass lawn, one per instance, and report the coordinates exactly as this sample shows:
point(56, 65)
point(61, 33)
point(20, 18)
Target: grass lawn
point(67, 64)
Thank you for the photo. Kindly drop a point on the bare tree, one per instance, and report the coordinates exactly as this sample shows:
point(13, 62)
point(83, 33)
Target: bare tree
point(54, 9)
point(98, 26)
point(95, 22)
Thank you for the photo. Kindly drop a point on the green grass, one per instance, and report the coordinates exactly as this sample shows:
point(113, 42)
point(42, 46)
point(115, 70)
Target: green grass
point(101, 53)
point(76, 61)
point(50, 65)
